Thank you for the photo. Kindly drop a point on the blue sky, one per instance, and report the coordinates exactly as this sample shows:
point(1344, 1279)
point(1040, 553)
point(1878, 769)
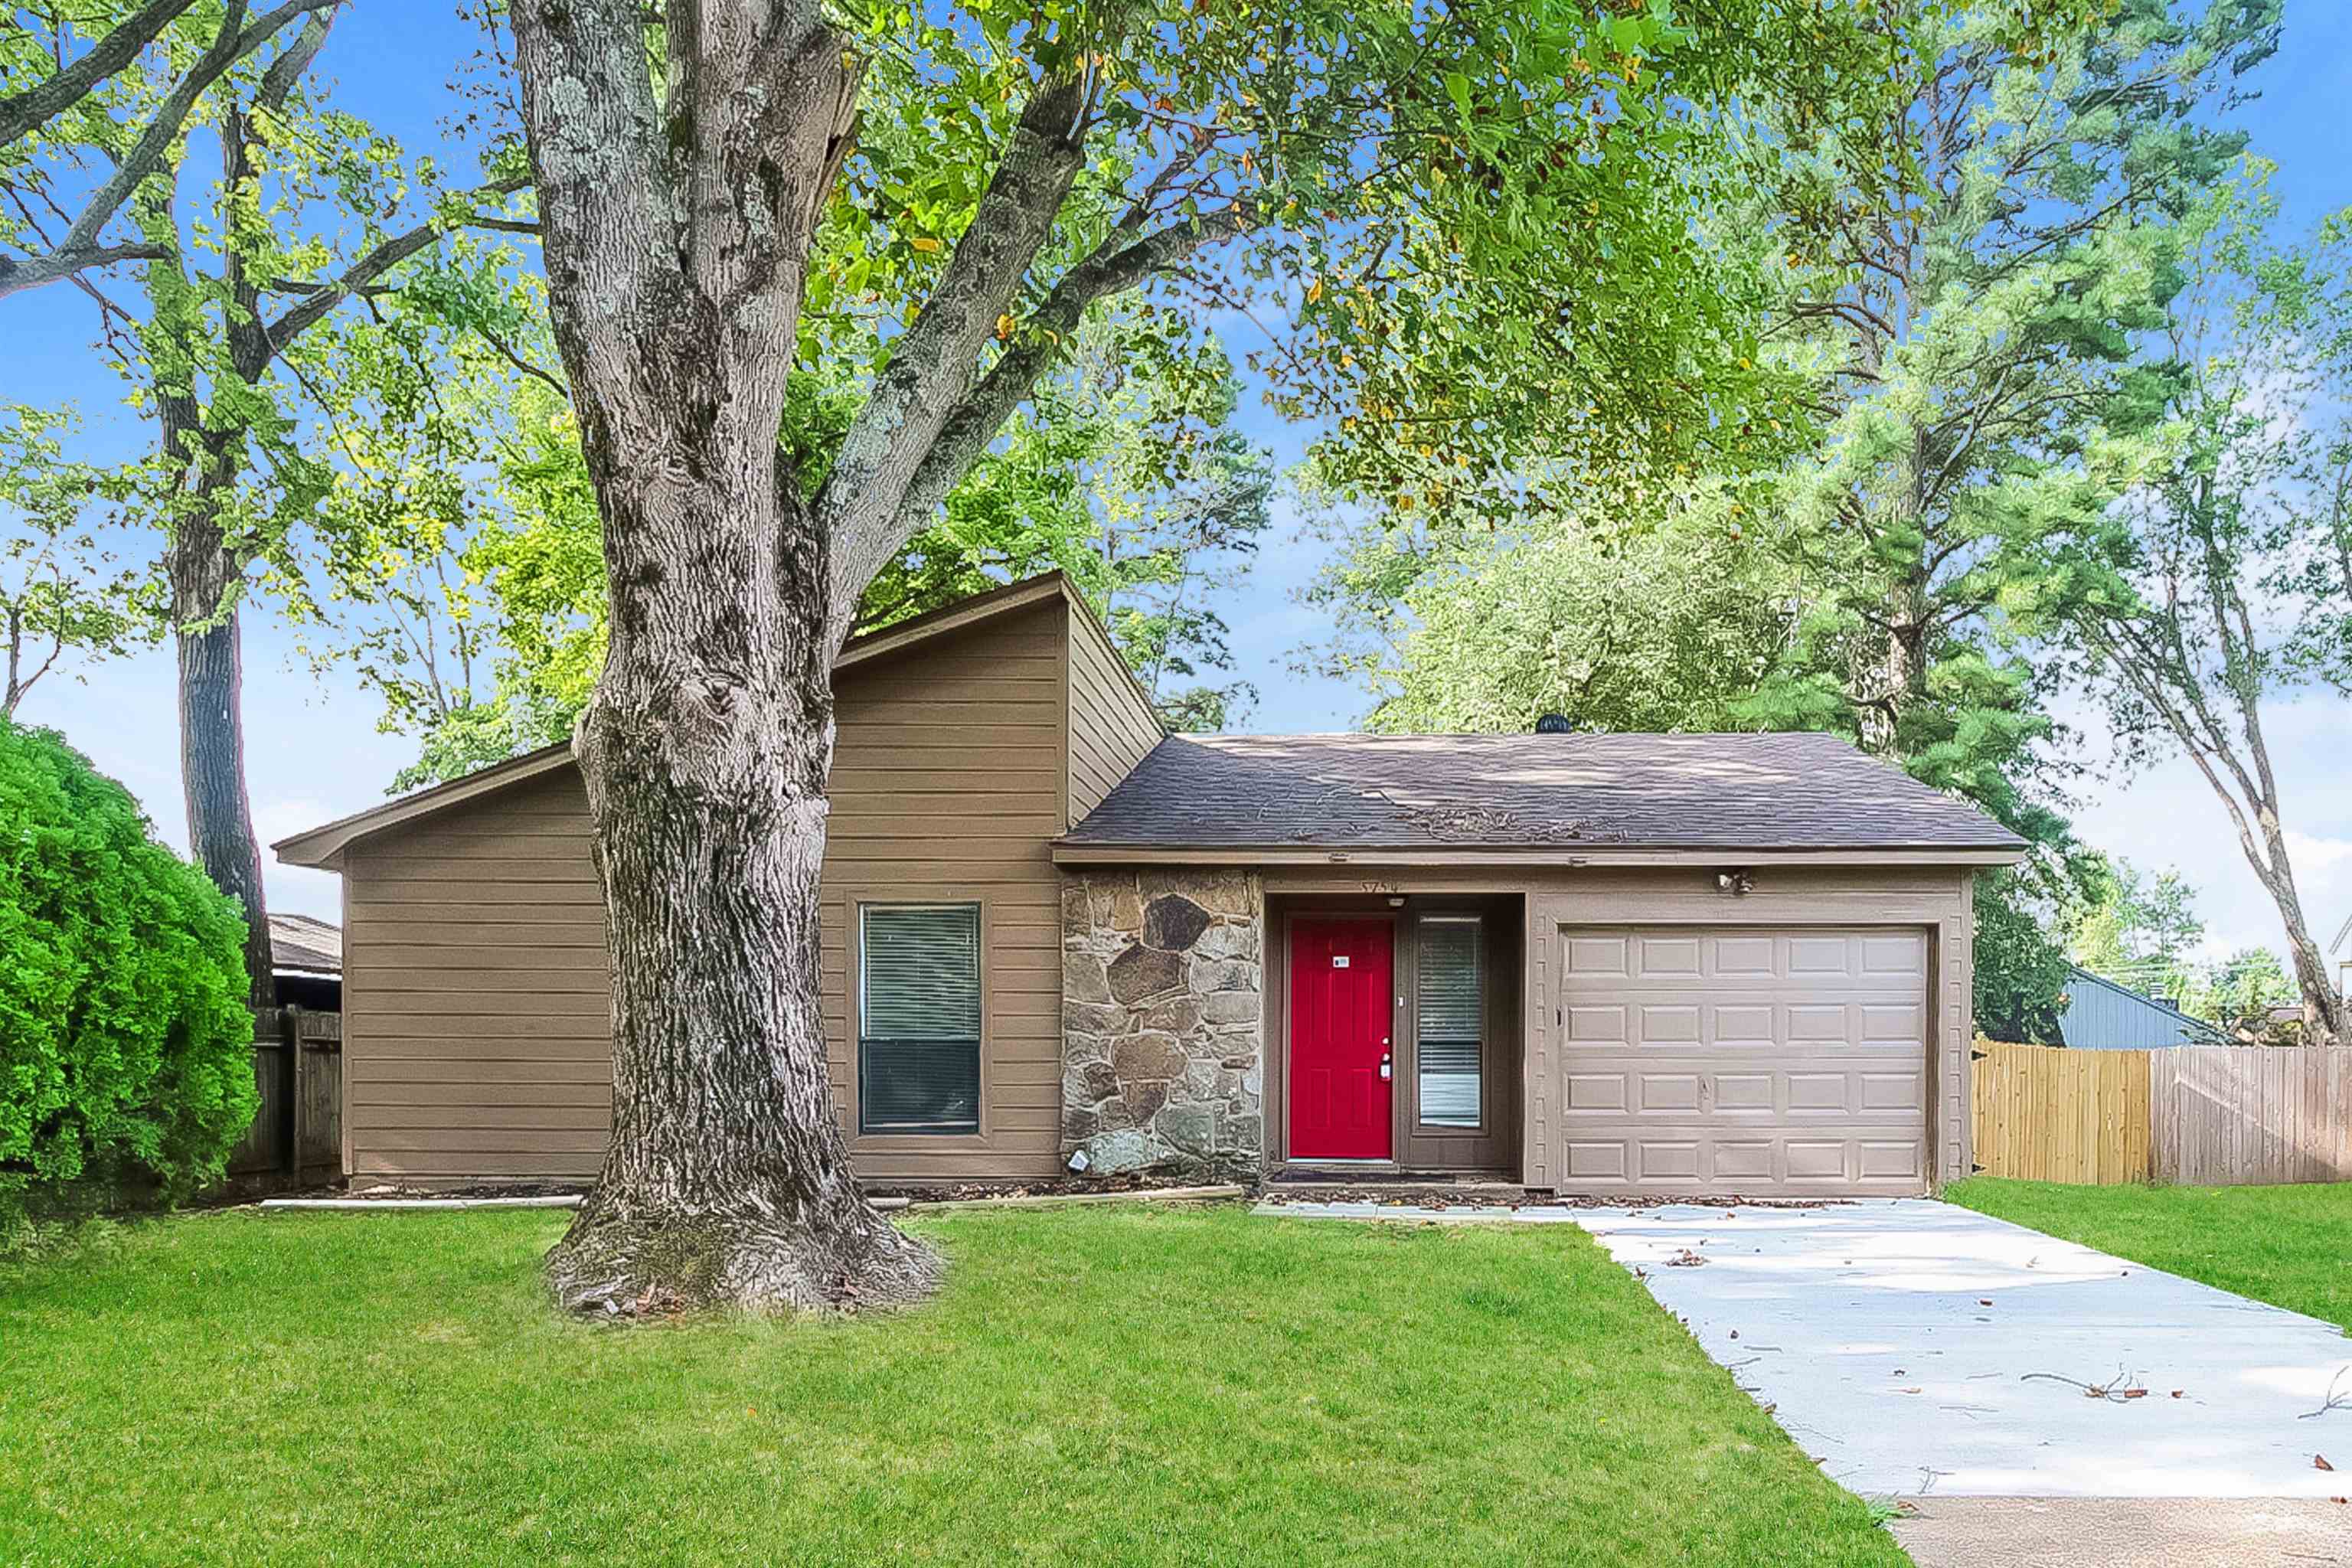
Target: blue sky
point(314, 753)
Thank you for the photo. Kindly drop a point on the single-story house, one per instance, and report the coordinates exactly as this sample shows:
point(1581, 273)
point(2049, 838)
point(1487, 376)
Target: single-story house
point(2096, 1014)
point(1587, 964)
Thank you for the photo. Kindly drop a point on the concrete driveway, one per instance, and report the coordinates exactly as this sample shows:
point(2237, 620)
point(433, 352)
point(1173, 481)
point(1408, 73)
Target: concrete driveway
point(1916, 1349)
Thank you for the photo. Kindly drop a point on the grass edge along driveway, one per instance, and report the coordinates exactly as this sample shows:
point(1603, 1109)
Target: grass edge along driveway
point(2291, 1247)
point(1104, 1385)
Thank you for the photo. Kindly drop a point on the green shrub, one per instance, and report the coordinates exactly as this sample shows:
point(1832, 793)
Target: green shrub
point(125, 1044)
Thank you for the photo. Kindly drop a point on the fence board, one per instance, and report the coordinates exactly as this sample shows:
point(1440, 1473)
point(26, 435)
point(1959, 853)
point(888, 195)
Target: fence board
point(298, 1066)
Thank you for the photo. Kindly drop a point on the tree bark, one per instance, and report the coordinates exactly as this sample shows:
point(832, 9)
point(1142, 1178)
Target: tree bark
point(676, 239)
point(212, 738)
point(705, 751)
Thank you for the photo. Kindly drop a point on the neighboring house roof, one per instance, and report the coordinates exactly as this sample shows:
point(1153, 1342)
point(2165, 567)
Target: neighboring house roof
point(1559, 793)
point(319, 845)
point(301, 945)
point(2103, 1015)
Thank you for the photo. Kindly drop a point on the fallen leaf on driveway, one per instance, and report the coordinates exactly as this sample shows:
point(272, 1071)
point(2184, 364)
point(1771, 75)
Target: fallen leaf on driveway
point(2319, 1462)
point(1984, 1300)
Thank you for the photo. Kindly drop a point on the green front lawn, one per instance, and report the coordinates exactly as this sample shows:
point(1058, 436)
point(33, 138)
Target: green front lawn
point(1096, 1387)
point(2288, 1246)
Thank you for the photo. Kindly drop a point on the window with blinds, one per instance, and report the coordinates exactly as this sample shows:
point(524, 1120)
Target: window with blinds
point(1452, 1020)
point(919, 1018)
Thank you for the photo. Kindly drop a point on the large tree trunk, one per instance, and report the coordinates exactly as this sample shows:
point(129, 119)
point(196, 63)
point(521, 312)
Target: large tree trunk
point(212, 738)
point(676, 242)
point(705, 751)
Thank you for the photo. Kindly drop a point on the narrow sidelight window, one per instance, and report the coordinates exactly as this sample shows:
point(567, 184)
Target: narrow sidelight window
point(1452, 1020)
point(919, 1018)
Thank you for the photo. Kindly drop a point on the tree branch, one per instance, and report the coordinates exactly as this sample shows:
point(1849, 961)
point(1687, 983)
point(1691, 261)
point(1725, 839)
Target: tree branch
point(932, 366)
point(388, 254)
point(35, 271)
point(981, 413)
point(23, 112)
point(79, 248)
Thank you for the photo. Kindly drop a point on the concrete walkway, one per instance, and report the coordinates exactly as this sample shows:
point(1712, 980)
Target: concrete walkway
point(1915, 1347)
point(2145, 1533)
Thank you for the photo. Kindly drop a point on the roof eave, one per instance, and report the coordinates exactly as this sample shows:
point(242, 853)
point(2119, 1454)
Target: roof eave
point(1065, 853)
point(323, 846)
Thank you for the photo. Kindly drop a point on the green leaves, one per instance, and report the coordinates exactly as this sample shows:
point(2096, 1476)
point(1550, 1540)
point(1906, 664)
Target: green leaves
point(65, 599)
point(125, 1045)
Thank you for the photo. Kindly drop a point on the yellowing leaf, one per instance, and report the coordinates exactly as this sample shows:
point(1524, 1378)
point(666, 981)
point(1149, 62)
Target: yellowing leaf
point(925, 244)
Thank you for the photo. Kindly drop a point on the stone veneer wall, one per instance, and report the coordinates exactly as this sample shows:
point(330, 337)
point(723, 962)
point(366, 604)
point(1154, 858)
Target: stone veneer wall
point(1162, 987)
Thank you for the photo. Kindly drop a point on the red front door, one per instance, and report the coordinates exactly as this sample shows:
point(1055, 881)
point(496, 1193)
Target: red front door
point(1341, 1080)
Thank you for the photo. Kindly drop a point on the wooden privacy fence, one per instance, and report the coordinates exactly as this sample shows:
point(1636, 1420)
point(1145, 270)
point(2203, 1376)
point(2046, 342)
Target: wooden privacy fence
point(2191, 1115)
point(2052, 1115)
point(297, 1136)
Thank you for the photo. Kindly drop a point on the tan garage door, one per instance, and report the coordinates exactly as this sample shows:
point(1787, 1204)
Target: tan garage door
point(1743, 1059)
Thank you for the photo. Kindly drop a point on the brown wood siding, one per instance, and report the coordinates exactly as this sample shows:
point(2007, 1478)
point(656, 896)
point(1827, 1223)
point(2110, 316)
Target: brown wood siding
point(1112, 725)
point(477, 1006)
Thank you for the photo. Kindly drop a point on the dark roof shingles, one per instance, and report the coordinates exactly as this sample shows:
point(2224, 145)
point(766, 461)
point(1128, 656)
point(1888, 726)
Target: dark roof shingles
point(1527, 791)
point(303, 942)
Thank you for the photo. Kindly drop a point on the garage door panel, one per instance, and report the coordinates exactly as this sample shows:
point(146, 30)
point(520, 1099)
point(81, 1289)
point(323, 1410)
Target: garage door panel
point(1819, 1091)
point(1904, 954)
point(1669, 957)
point(1738, 1093)
point(1893, 1159)
point(1669, 1024)
point(1596, 955)
point(1669, 1092)
point(1706, 1160)
point(1723, 1060)
point(1893, 1024)
point(1894, 1091)
point(1599, 1164)
point(1660, 1161)
point(1599, 1024)
point(1816, 956)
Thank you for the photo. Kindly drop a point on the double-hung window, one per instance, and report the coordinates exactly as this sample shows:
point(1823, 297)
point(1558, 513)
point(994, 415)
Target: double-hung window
point(919, 1018)
point(1452, 1015)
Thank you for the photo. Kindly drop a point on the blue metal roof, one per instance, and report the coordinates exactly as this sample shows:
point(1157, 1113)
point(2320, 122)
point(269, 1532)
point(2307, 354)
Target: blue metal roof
point(2101, 1016)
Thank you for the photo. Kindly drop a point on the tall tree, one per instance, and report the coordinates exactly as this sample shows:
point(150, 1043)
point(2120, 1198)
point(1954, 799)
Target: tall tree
point(2235, 580)
point(1963, 331)
point(310, 209)
point(1127, 472)
point(63, 594)
point(2139, 930)
point(1509, 180)
point(1664, 622)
